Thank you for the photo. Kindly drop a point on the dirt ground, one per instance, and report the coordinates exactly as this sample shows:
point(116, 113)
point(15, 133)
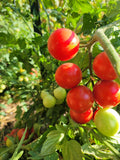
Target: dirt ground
point(9, 116)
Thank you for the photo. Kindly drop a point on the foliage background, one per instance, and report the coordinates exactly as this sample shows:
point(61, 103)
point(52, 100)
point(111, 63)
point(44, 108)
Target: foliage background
point(25, 26)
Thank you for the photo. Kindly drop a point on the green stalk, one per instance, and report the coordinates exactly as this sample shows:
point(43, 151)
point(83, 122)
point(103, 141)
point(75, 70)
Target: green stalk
point(109, 49)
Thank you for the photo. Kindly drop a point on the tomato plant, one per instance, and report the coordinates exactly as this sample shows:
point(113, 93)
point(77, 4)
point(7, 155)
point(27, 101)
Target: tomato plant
point(63, 44)
point(107, 93)
point(68, 75)
point(103, 67)
point(80, 99)
point(107, 121)
point(36, 38)
point(82, 118)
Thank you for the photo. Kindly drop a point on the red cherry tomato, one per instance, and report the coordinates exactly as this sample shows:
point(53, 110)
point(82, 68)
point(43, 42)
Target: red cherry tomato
point(80, 99)
point(63, 44)
point(21, 132)
point(5, 137)
point(34, 72)
point(14, 132)
point(103, 67)
point(107, 93)
point(82, 118)
point(68, 75)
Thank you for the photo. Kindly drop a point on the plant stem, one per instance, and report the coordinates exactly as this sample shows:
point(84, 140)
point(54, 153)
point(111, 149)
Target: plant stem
point(90, 64)
point(109, 49)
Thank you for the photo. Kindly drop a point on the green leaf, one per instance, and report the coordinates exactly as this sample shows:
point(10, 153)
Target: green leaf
point(18, 112)
point(49, 146)
point(3, 113)
point(98, 151)
point(53, 156)
point(18, 156)
point(80, 6)
point(89, 23)
point(115, 10)
point(3, 106)
point(71, 150)
point(10, 100)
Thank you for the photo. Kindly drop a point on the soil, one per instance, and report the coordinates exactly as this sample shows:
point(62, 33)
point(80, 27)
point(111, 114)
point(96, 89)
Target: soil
point(8, 119)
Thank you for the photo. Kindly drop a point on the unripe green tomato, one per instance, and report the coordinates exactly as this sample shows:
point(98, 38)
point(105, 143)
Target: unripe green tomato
point(26, 79)
point(21, 78)
point(44, 93)
point(59, 93)
point(107, 121)
point(49, 101)
point(2, 86)
point(9, 142)
point(59, 101)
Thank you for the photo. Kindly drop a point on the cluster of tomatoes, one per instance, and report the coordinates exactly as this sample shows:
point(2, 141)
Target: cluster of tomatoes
point(63, 44)
point(58, 97)
point(15, 134)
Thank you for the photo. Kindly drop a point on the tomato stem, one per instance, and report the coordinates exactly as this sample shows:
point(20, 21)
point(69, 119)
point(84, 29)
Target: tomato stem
point(109, 49)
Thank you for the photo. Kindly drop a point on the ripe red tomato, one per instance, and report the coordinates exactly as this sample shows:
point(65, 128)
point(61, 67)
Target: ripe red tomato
point(14, 132)
point(82, 118)
point(80, 99)
point(68, 75)
point(63, 44)
point(5, 137)
point(21, 132)
point(107, 121)
point(107, 93)
point(34, 72)
point(103, 67)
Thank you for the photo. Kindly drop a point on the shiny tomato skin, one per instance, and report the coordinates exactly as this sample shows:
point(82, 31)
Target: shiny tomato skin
point(68, 75)
point(21, 132)
point(107, 121)
point(80, 99)
point(103, 67)
point(63, 44)
point(81, 118)
point(107, 93)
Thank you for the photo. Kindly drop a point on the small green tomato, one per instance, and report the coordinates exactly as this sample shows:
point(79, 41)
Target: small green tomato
point(44, 93)
point(107, 121)
point(59, 93)
point(49, 101)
